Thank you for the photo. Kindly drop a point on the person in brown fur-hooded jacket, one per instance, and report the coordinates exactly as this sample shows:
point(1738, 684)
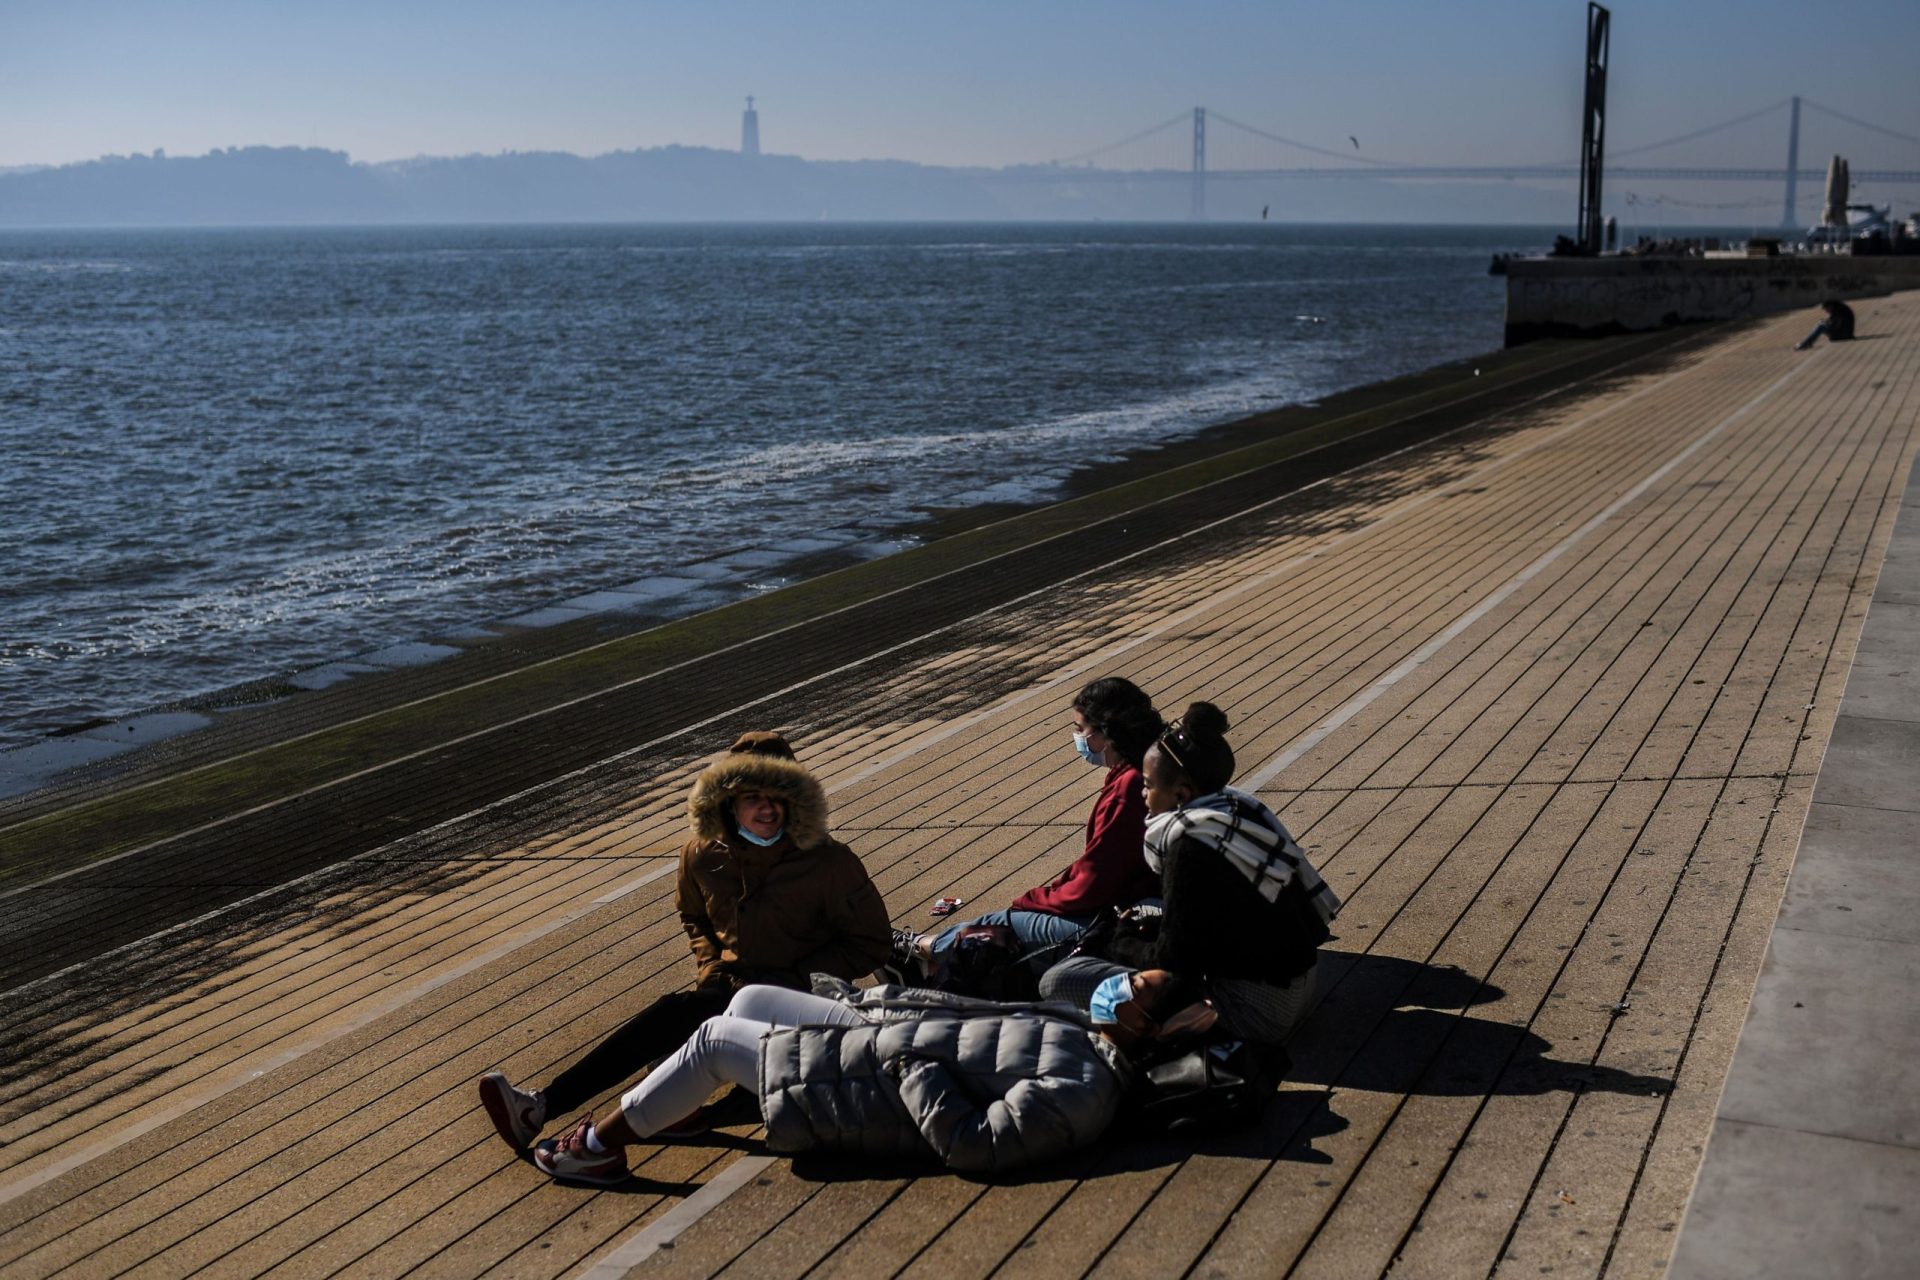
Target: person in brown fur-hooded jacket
point(765, 896)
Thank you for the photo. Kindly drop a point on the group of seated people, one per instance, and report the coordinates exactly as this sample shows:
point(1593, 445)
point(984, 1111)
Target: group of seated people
point(1190, 913)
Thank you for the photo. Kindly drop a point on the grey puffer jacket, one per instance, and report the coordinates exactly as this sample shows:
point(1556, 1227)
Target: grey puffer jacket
point(986, 1087)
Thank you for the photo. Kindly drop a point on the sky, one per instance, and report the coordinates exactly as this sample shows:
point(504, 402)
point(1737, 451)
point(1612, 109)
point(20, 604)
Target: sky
point(981, 83)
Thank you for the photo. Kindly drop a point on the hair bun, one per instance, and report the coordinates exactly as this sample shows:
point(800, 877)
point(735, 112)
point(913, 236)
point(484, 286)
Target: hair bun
point(1203, 720)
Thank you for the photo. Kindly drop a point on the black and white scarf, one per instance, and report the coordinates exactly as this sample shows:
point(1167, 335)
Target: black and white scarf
point(1250, 838)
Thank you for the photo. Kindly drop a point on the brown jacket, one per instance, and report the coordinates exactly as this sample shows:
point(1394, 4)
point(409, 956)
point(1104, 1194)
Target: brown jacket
point(802, 906)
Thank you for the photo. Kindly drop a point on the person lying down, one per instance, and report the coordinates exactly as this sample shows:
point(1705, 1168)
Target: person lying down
point(894, 1071)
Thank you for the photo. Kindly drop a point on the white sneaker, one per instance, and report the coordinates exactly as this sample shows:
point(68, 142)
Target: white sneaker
point(567, 1159)
point(516, 1113)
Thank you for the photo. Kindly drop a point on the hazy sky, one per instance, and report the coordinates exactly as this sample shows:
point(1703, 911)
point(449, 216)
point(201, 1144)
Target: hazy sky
point(984, 82)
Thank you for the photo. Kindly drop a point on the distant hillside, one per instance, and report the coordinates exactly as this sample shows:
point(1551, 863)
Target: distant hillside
point(268, 185)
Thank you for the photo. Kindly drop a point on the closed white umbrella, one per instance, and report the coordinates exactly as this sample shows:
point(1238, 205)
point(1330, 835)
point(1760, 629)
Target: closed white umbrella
point(1835, 214)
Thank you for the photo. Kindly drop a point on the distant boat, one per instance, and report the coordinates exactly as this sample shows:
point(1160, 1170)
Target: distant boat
point(1863, 220)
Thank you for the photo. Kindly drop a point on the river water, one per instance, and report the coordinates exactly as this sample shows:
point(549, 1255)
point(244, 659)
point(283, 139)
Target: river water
point(226, 455)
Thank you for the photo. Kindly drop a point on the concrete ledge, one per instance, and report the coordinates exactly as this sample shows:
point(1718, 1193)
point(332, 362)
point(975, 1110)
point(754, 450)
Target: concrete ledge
point(1854, 876)
point(470, 633)
point(26, 768)
point(1871, 762)
point(755, 559)
point(1564, 297)
point(1900, 575)
point(1814, 1164)
point(138, 731)
point(414, 654)
point(1776, 1202)
point(603, 602)
point(551, 616)
point(332, 673)
point(1830, 1046)
point(657, 588)
point(1885, 686)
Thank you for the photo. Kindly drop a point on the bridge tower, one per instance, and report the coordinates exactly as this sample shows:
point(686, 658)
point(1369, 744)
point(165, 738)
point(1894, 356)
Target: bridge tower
point(1787, 222)
point(1199, 164)
point(1593, 128)
point(750, 130)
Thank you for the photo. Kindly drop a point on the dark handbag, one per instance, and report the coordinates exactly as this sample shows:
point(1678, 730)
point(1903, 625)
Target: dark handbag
point(985, 961)
point(1210, 1085)
point(1122, 937)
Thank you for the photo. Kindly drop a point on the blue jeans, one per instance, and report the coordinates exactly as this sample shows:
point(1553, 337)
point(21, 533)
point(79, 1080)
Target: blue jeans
point(1825, 327)
point(1044, 939)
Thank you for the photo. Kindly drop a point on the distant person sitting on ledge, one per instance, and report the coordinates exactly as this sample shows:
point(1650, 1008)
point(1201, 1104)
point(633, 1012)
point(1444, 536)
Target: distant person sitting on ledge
point(1838, 326)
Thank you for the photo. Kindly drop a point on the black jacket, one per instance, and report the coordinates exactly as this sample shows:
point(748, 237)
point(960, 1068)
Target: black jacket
point(1216, 924)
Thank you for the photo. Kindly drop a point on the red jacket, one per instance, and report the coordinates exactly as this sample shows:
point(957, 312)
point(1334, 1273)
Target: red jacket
point(1113, 870)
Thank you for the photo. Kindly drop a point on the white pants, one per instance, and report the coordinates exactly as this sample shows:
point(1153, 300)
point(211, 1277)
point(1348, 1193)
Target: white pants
point(725, 1050)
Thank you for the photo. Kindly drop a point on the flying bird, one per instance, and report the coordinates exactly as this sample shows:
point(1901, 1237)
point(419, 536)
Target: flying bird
point(1355, 141)
point(1263, 213)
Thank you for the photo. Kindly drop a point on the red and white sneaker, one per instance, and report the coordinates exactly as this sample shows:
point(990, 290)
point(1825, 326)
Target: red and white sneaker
point(516, 1113)
point(567, 1159)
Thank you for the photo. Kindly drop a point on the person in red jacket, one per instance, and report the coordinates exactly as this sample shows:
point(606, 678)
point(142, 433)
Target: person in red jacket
point(1113, 725)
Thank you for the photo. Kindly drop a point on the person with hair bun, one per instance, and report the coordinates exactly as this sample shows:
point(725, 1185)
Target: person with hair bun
point(1244, 912)
point(1114, 724)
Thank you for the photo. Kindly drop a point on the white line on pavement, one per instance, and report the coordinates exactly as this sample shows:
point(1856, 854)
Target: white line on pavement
point(1354, 706)
point(664, 1230)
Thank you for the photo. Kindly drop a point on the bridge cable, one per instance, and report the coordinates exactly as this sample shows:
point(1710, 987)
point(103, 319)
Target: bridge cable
point(1613, 155)
point(1349, 157)
point(1371, 161)
point(1114, 146)
point(1841, 115)
point(1697, 133)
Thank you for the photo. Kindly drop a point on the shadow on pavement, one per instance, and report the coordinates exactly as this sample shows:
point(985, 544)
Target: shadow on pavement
point(1386, 1025)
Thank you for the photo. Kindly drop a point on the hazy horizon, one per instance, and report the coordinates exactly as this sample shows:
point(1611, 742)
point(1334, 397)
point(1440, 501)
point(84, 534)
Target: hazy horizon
point(291, 186)
point(1485, 82)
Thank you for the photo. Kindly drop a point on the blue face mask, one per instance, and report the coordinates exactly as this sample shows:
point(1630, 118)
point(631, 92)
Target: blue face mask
point(1097, 759)
point(765, 842)
point(1109, 996)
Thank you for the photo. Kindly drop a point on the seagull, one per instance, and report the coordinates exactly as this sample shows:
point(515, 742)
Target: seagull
point(1355, 141)
point(1263, 213)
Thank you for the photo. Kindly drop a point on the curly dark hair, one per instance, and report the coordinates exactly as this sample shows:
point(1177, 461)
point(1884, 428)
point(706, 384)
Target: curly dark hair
point(1122, 713)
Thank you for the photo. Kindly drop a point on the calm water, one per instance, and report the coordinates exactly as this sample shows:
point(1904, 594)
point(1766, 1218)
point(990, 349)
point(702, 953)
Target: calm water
point(232, 454)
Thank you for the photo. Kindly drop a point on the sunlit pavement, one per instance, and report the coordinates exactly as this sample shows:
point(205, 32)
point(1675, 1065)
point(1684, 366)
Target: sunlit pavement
point(1546, 696)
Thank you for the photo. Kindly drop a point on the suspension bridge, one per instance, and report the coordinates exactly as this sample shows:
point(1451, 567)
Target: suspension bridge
point(1243, 152)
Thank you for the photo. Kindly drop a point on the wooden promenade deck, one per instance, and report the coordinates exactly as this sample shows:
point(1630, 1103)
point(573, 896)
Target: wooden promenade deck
point(1545, 697)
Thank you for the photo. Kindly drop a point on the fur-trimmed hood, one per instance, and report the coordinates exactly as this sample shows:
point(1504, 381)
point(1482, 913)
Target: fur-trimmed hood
point(739, 772)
